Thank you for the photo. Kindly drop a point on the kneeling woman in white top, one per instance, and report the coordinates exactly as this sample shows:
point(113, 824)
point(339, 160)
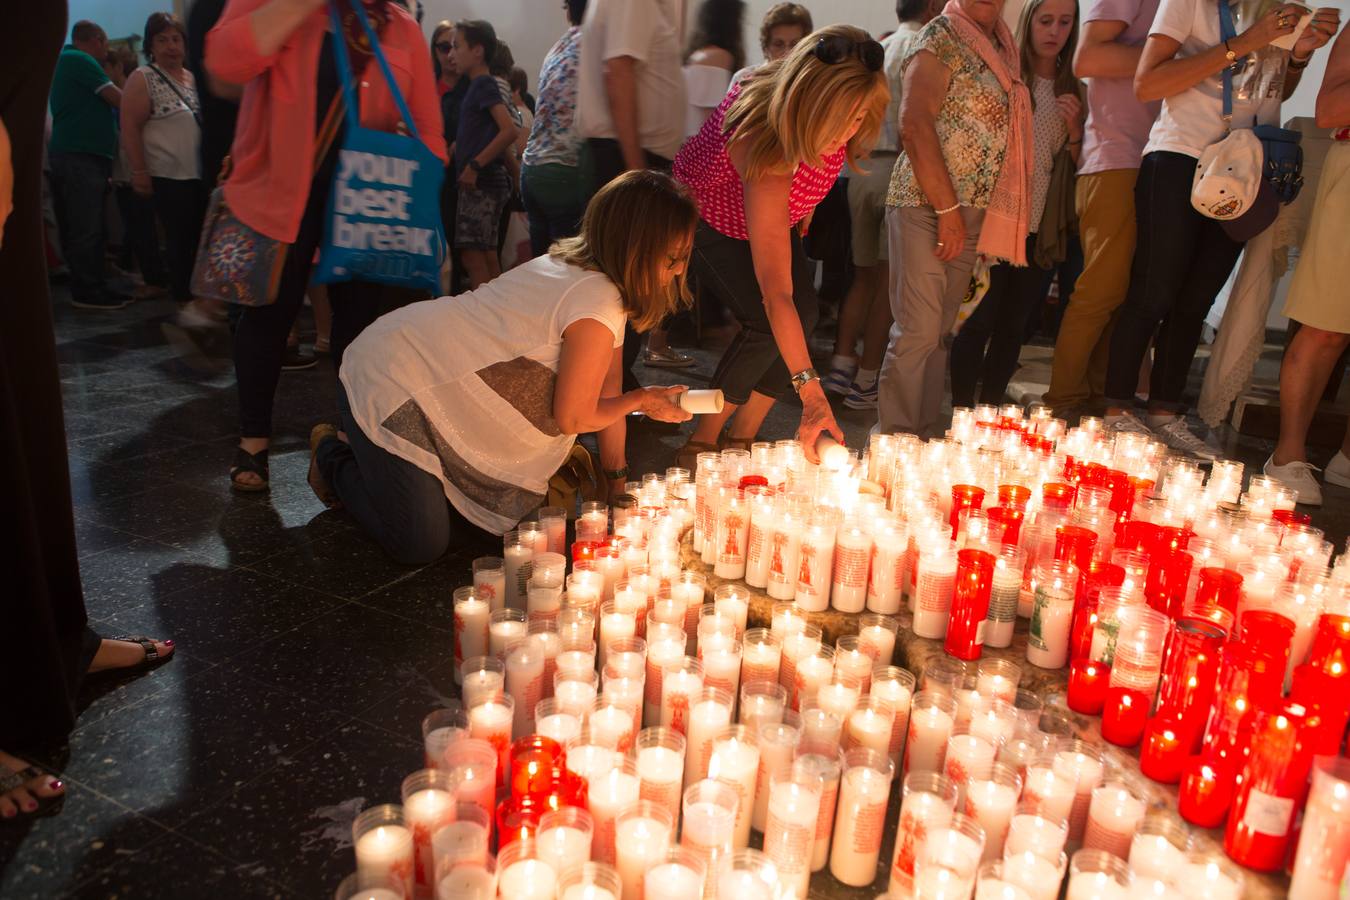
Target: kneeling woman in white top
point(477, 399)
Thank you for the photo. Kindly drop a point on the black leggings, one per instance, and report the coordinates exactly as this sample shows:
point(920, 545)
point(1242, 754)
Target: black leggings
point(723, 270)
point(261, 331)
point(1181, 261)
point(180, 206)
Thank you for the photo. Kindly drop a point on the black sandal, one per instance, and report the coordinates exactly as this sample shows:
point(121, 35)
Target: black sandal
point(249, 462)
point(151, 659)
point(10, 780)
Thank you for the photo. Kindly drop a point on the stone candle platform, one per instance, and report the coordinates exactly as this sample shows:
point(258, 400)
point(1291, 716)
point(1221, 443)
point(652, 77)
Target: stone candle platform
point(915, 653)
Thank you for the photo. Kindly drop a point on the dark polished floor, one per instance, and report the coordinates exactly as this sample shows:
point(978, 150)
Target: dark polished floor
point(306, 659)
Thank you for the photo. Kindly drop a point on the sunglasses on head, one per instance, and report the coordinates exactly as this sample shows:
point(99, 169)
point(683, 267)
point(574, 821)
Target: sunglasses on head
point(444, 46)
point(833, 49)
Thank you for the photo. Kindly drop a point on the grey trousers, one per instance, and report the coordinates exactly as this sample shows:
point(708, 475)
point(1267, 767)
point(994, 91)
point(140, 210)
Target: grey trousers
point(926, 295)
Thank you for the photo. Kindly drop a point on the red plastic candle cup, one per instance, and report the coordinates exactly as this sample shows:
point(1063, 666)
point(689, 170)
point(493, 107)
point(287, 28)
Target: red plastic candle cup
point(1124, 715)
point(1190, 671)
point(964, 496)
point(1075, 544)
point(1169, 573)
point(1216, 587)
point(584, 550)
point(1005, 523)
point(1273, 785)
point(1290, 517)
point(518, 819)
point(751, 481)
point(1122, 493)
point(1087, 686)
point(1330, 649)
point(970, 603)
point(1328, 707)
point(1173, 537)
point(1268, 633)
point(533, 759)
point(1056, 495)
point(1206, 791)
point(1016, 496)
point(1136, 535)
point(1165, 749)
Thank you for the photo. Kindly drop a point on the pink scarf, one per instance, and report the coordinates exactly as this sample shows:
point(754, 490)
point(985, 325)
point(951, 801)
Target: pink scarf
point(1006, 222)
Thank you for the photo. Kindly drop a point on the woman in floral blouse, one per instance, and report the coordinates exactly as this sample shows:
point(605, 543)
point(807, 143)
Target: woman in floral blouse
point(961, 186)
point(553, 182)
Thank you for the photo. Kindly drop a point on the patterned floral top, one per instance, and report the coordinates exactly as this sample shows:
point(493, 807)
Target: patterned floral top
point(705, 167)
point(171, 136)
point(972, 124)
point(553, 137)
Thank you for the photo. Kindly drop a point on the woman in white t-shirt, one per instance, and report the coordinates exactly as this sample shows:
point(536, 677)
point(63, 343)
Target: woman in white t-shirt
point(477, 399)
point(1183, 258)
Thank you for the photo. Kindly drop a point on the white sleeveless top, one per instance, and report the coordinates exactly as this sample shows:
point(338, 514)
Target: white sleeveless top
point(704, 88)
point(462, 387)
point(171, 136)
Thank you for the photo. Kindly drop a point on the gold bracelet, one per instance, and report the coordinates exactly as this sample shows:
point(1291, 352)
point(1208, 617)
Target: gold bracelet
point(953, 208)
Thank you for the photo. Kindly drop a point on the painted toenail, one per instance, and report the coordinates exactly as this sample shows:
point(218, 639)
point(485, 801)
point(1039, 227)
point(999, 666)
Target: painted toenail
point(29, 807)
point(55, 786)
point(168, 643)
point(9, 814)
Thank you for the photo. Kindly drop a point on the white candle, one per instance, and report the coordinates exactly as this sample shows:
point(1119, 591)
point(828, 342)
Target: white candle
point(895, 694)
point(525, 684)
point(611, 569)
point(1039, 876)
point(608, 795)
point(593, 525)
point(935, 579)
point(722, 667)
point(997, 685)
point(735, 603)
point(707, 717)
point(921, 812)
point(679, 687)
point(840, 699)
point(853, 663)
point(735, 761)
point(517, 572)
point(968, 756)
point(661, 773)
point(574, 697)
point(465, 882)
point(462, 841)
point(492, 722)
point(870, 727)
point(1049, 791)
point(758, 542)
point(641, 842)
point(586, 892)
point(756, 709)
point(777, 744)
point(708, 829)
point(1032, 833)
point(1114, 813)
point(471, 629)
point(886, 584)
point(810, 674)
point(576, 663)
point(528, 879)
point(560, 726)
point(435, 742)
point(815, 563)
point(614, 626)
point(672, 881)
point(1088, 772)
point(926, 746)
point(503, 634)
point(859, 824)
point(879, 642)
point(991, 804)
point(611, 726)
point(661, 655)
point(425, 811)
point(1051, 616)
point(790, 832)
point(1201, 880)
point(852, 557)
point(542, 602)
point(796, 647)
point(386, 850)
point(785, 542)
point(729, 542)
point(561, 846)
point(1154, 856)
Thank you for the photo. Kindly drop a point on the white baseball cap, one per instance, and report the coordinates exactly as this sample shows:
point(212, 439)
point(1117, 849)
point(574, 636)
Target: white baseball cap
point(1228, 176)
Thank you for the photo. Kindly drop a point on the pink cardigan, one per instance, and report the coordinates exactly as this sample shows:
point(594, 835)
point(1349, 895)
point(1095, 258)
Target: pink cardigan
point(273, 152)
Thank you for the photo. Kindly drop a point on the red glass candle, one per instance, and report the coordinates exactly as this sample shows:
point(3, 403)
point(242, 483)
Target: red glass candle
point(1087, 686)
point(1005, 524)
point(1268, 633)
point(1016, 496)
point(1216, 587)
point(1164, 750)
point(1122, 493)
point(1136, 535)
point(1124, 715)
point(518, 819)
point(584, 550)
point(1290, 517)
point(1056, 495)
point(1330, 649)
point(1206, 790)
point(1099, 575)
point(1173, 537)
point(970, 603)
point(1075, 544)
point(1271, 791)
point(533, 760)
point(1328, 704)
point(964, 496)
point(1189, 672)
point(752, 481)
point(1169, 573)
point(1247, 681)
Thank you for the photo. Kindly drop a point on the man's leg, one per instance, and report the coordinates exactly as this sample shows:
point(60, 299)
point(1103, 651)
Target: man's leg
point(1107, 229)
point(83, 182)
point(1308, 362)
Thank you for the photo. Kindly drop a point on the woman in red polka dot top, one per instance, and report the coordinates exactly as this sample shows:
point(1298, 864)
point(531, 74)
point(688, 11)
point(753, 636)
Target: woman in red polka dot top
point(758, 167)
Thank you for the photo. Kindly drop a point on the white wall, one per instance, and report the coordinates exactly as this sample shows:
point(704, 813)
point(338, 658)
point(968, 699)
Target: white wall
point(121, 18)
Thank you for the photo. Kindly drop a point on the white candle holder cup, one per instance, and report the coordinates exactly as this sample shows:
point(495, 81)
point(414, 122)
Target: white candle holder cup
point(1212, 875)
point(505, 627)
point(680, 876)
point(473, 764)
point(1117, 808)
point(735, 760)
point(384, 845)
point(440, 729)
point(949, 856)
point(1098, 875)
point(368, 886)
point(644, 834)
point(794, 810)
point(747, 875)
point(464, 839)
point(608, 795)
point(522, 874)
point(556, 721)
point(493, 721)
point(590, 881)
point(1040, 876)
point(1159, 846)
point(564, 837)
point(998, 678)
point(992, 883)
point(709, 817)
point(428, 803)
point(932, 717)
point(660, 755)
point(992, 801)
point(472, 611)
point(860, 818)
point(876, 636)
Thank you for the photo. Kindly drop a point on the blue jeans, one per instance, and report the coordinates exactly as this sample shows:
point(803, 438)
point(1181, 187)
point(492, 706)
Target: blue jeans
point(399, 505)
point(79, 185)
point(554, 197)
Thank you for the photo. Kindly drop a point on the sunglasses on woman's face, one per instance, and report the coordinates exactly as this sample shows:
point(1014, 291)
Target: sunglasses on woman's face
point(444, 46)
point(837, 48)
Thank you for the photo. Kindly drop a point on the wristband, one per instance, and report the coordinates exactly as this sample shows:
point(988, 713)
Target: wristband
point(953, 208)
point(616, 474)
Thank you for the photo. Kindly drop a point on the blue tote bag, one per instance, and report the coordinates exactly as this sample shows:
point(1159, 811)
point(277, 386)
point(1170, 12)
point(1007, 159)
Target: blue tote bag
point(384, 217)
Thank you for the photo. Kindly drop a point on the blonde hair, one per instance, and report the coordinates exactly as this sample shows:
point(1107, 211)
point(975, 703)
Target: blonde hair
point(1065, 82)
point(631, 228)
point(793, 110)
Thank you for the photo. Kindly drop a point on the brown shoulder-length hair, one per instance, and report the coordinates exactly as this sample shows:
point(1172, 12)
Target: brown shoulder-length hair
point(631, 230)
point(441, 28)
point(1065, 82)
point(783, 14)
point(794, 109)
point(157, 23)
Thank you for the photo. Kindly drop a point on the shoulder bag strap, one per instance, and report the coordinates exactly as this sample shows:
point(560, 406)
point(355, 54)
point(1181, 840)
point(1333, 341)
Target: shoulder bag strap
point(181, 96)
point(1226, 33)
point(345, 69)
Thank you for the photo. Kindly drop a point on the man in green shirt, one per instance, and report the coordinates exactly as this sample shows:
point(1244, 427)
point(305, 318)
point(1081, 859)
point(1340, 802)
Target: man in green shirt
point(83, 145)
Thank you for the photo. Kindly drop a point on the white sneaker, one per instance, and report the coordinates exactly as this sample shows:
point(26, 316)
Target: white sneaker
point(1298, 476)
point(1175, 434)
point(838, 381)
point(1127, 422)
point(1338, 470)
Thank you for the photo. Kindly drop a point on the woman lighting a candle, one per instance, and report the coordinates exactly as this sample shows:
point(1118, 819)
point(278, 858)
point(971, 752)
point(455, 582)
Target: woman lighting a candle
point(759, 165)
point(477, 399)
